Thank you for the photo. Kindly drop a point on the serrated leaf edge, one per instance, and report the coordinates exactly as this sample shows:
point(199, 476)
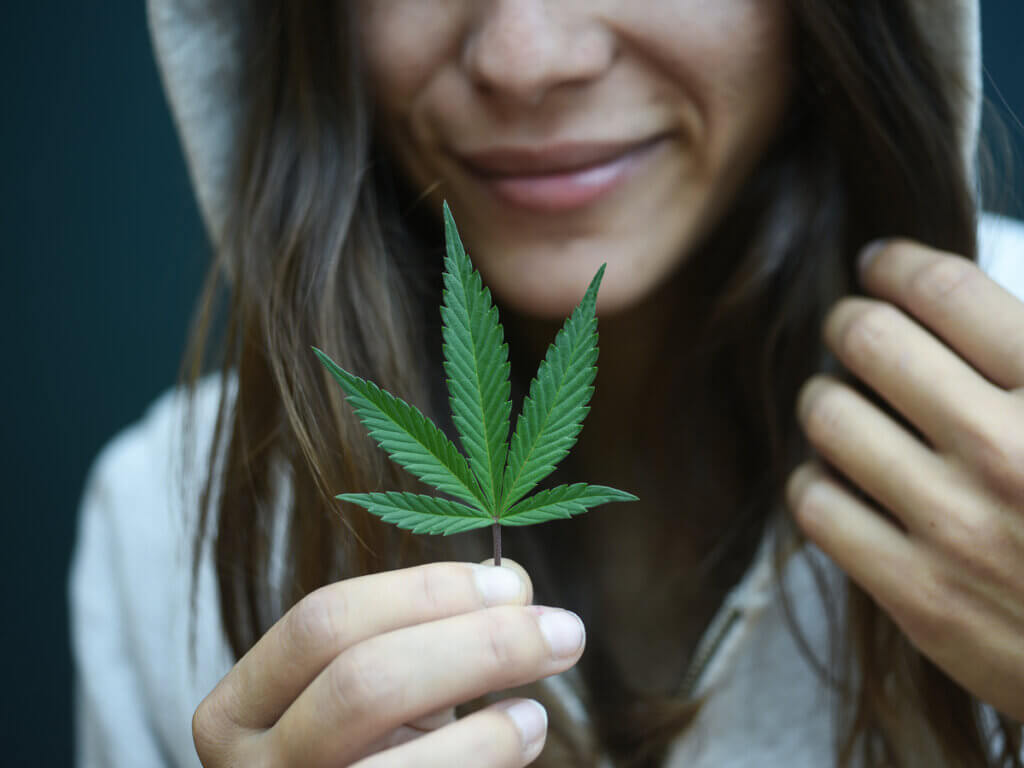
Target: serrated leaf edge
point(586, 342)
point(469, 399)
point(461, 476)
point(532, 508)
point(398, 508)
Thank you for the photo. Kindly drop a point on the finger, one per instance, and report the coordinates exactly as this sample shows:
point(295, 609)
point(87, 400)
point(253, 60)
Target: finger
point(506, 735)
point(878, 455)
point(392, 678)
point(951, 295)
point(513, 565)
point(326, 622)
point(874, 553)
point(409, 731)
point(916, 373)
point(433, 720)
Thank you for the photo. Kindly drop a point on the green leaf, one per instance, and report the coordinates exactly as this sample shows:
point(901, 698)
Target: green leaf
point(495, 475)
point(476, 362)
point(409, 437)
point(553, 412)
point(563, 501)
point(418, 513)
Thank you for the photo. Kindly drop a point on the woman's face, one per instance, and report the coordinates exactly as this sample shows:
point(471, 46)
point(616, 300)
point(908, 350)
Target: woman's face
point(569, 134)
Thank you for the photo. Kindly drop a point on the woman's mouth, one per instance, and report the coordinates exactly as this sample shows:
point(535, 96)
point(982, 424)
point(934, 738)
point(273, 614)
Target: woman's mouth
point(558, 178)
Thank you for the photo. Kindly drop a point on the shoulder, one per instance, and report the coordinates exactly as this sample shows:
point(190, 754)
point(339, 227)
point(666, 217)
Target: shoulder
point(147, 480)
point(143, 492)
point(146, 452)
point(130, 583)
point(1001, 251)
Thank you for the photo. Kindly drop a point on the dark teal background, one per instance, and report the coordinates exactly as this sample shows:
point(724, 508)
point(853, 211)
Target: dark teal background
point(102, 256)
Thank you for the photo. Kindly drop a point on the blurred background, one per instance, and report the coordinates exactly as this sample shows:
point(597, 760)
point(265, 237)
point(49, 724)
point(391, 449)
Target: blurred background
point(104, 257)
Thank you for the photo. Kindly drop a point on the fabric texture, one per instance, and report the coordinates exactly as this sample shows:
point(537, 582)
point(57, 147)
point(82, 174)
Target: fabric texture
point(137, 684)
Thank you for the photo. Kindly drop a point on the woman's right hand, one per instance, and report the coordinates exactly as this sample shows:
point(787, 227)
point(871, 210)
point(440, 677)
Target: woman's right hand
point(368, 671)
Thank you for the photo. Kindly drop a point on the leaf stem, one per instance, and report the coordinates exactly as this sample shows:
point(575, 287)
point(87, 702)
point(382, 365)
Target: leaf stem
point(496, 531)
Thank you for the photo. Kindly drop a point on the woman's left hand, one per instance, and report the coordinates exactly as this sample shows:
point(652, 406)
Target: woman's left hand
point(944, 345)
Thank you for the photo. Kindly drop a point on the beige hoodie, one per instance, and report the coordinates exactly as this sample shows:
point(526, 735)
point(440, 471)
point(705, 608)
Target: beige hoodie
point(135, 694)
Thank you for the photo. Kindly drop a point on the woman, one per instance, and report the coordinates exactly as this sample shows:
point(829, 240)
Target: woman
point(729, 161)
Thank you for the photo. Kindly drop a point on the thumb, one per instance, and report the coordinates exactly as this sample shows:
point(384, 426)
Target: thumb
point(512, 565)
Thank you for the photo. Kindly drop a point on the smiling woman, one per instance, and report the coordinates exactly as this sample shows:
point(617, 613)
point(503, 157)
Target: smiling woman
point(729, 161)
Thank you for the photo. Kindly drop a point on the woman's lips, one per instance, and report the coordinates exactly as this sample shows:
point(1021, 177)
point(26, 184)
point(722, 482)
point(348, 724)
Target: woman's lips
point(559, 179)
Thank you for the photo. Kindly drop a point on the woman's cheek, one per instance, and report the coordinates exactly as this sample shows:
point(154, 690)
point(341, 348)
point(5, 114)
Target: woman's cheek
point(404, 43)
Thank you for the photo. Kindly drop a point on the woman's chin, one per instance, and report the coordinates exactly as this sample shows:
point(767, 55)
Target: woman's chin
point(541, 271)
point(551, 288)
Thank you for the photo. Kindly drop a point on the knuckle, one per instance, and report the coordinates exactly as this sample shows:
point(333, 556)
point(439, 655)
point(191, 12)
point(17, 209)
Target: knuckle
point(926, 615)
point(808, 504)
point(483, 739)
point(505, 637)
point(203, 729)
point(974, 540)
point(502, 742)
point(824, 411)
point(360, 683)
point(493, 741)
point(500, 652)
point(317, 620)
point(938, 280)
point(998, 455)
point(436, 587)
point(210, 732)
point(867, 331)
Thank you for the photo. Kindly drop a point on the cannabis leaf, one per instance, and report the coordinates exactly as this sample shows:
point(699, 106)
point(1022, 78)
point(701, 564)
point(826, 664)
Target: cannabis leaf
point(409, 437)
point(420, 514)
point(490, 482)
point(553, 412)
point(561, 501)
point(476, 361)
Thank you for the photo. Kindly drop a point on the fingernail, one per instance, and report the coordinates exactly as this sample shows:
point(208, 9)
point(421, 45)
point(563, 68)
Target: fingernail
point(869, 252)
point(498, 585)
point(563, 631)
point(530, 718)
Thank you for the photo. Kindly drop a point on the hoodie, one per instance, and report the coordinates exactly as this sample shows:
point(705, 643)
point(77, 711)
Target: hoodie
point(137, 684)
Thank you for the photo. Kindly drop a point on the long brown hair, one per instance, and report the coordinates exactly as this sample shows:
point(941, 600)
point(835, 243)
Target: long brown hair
point(325, 246)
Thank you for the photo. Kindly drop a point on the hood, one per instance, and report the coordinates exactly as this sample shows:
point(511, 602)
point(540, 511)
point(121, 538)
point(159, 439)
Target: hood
point(198, 51)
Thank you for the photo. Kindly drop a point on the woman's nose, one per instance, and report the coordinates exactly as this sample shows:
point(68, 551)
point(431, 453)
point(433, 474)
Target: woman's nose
point(522, 49)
